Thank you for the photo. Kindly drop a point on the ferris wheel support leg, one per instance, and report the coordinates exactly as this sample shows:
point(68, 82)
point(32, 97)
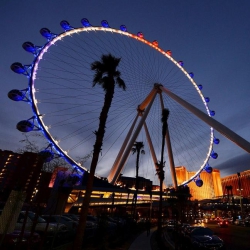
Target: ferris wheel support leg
point(170, 151)
point(151, 147)
point(132, 140)
point(149, 98)
point(225, 131)
point(118, 158)
point(171, 160)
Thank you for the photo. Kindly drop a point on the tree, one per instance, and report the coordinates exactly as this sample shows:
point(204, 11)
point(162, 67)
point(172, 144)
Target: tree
point(35, 142)
point(107, 76)
point(149, 190)
point(160, 165)
point(138, 149)
point(183, 196)
point(128, 193)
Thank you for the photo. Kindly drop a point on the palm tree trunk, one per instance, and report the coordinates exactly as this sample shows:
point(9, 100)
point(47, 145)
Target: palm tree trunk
point(136, 182)
point(165, 113)
point(161, 185)
point(97, 148)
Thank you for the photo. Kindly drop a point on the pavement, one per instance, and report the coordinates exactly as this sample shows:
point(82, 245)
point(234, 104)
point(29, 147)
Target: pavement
point(142, 242)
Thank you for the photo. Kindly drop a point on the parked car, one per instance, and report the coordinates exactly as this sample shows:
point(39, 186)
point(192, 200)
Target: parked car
point(50, 231)
point(204, 238)
point(20, 240)
point(92, 218)
point(187, 230)
point(71, 224)
point(113, 221)
point(72, 216)
point(36, 222)
point(120, 220)
point(108, 222)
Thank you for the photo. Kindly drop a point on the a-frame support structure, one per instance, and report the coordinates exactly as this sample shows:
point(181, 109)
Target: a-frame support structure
point(143, 111)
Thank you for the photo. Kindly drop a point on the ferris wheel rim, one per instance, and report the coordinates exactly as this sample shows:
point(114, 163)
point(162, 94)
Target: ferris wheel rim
point(53, 41)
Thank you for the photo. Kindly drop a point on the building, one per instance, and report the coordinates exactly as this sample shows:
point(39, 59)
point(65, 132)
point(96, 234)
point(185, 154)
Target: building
point(211, 187)
point(130, 182)
point(21, 172)
point(237, 184)
point(24, 171)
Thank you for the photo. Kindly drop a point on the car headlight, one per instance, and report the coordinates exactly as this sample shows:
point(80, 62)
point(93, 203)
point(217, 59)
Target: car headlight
point(15, 240)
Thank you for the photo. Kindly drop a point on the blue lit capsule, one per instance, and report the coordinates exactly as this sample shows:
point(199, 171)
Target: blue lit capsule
point(65, 25)
point(29, 47)
point(74, 179)
point(16, 95)
point(199, 183)
point(18, 68)
point(25, 126)
point(46, 33)
point(207, 99)
point(123, 28)
point(85, 22)
point(212, 112)
point(105, 24)
point(47, 155)
point(216, 140)
point(181, 63)
point(208, 169)
point(200, 87)
point(191, 74)
point(214, 155)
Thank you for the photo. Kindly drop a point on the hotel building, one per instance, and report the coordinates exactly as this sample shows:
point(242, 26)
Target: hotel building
point(211, 188)
point(237, 184)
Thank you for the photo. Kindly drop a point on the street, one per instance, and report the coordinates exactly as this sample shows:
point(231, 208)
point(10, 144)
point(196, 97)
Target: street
point(235, 237)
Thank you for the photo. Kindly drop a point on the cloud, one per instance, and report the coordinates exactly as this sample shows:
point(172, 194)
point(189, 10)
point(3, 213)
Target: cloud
point(234, 165)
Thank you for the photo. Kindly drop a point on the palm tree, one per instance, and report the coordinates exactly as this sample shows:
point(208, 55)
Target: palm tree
point(183, 196)
point(106, 75)
point(128, 193)
point(229, 192)
point(149, 190)
point(137, 148)
point(160, 165)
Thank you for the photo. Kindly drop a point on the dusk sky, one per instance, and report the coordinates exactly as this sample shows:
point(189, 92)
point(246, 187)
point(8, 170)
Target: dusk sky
point(211, 37)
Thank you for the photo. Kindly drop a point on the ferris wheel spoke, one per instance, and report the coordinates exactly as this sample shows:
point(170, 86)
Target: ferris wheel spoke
point(67, 107)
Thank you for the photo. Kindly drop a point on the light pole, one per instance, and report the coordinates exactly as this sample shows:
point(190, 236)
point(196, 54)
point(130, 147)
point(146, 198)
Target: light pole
point(240, 190)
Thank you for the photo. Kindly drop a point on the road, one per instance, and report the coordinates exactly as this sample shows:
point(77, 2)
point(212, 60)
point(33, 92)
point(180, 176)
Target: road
point(235, 237)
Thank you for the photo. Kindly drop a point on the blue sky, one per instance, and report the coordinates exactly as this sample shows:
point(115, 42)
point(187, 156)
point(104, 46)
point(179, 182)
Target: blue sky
point(211, 37)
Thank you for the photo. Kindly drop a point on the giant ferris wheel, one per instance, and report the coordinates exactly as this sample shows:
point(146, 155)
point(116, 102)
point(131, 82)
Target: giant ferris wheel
point(66, 108)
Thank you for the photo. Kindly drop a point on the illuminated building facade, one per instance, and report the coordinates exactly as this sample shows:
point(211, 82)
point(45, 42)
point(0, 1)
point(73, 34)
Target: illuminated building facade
point(20, 172)
point(130, 182)
point(240, 183)
point(211, 183)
